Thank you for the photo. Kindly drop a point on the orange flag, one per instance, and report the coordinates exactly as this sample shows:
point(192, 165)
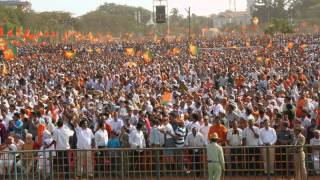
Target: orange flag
point(8, 54)
point(290, 45)
point(166, 98)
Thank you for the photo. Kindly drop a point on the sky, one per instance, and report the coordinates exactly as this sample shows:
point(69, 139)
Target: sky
point(80, 7)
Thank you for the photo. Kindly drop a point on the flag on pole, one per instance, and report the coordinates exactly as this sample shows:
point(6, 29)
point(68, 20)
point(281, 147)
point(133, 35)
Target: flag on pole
point(69, 54)
point(193, 50)
point(147, 56)
point(166, 98)
point(8, 54)
point(130, 51)
point(290, 45)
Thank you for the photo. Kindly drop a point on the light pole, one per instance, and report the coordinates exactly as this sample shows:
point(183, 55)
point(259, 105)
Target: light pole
point(189, 23)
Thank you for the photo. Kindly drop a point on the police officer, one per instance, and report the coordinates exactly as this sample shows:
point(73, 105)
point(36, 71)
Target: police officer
point(299, 155)
point(215, 156)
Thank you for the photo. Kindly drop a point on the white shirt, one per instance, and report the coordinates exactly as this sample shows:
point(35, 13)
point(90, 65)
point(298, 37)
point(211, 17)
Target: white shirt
point(167, 128)
point(136, 139)
point(192, 125)
point(315, 141)
point(305, 122)
point(261, 120)
point(195, 141)
point(84, 138)
point(101, 138)
point(204, 131)
point(268, 136)
point(234, 139)
point(116, 125)
point(217, 109)
point(61, 137)
point(249, 136)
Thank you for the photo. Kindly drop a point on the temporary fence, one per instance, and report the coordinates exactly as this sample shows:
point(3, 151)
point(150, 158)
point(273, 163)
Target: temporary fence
point(241, 162)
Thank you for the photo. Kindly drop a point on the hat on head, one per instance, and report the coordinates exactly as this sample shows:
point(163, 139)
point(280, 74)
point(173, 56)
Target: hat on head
point(316, 131)
point(214, 136)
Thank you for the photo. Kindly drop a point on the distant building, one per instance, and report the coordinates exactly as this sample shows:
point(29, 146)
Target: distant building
point(229, 17)
point(16, 4)
point(250, 4)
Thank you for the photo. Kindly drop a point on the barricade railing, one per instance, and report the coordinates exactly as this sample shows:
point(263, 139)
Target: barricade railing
point(241, 162)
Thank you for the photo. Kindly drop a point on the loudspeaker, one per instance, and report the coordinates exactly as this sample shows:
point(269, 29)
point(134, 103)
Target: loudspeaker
point(160, 14)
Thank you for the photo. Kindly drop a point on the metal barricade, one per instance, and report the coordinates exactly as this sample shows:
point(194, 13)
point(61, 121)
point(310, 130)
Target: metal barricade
point(241, 162)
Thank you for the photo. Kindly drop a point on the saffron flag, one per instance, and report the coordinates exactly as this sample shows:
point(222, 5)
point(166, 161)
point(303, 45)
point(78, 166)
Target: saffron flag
point(147, 56)
point(69, 54)
point(130, 52)
point(290, 45)
point(166, 98)
point(8, 54)
point(176, 51)
point(193, 50)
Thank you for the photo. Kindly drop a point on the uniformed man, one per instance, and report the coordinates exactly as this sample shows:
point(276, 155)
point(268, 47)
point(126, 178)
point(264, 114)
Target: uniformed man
point(215, 156)
point(299, 155)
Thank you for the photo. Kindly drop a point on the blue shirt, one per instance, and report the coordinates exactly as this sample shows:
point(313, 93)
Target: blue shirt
point(18, 127)
point(114, 143)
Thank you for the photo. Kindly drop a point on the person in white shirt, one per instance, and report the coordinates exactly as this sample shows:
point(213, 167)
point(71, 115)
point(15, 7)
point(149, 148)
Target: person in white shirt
point(262, 118)
point(316, 151)
point(217, 107)
point(101, 142)
point(45, 154)
point(6, 159)
point(195, 140)
point(268, 137)
point(136, 138)
point(116, 123)
point(234, 139)
point(194, 123)
point(84, 142)
point(251, 138)
point(137, 142)
point(61, 137)
point(204, 129)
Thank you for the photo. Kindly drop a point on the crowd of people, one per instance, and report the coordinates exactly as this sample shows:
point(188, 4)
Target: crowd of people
point(250, 95)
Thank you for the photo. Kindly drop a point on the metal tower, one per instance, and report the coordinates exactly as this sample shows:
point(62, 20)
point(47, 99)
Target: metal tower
point(232, 5)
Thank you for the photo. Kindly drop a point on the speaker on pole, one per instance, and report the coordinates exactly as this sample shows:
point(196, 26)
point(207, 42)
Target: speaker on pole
point(160, 14)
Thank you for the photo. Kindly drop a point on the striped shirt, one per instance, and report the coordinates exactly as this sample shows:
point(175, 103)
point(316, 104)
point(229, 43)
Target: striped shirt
point(180, 133)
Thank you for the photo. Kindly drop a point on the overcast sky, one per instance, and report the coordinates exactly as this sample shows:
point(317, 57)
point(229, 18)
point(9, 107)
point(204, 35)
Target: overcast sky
point(80, 7)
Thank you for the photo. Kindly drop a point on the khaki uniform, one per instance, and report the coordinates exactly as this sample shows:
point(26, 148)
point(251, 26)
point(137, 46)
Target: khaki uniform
point(216, 163)
point(299, 158)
